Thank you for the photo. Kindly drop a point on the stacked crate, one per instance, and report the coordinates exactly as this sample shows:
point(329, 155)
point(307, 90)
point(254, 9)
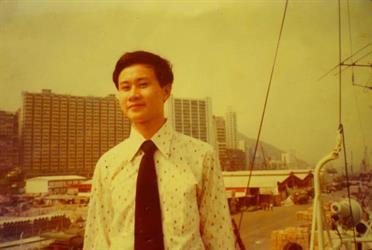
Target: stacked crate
point(300, 235)
point(306, 215)
point(281, 238)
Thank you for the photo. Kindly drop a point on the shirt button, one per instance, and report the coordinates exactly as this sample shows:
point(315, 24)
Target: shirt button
point(147, 208)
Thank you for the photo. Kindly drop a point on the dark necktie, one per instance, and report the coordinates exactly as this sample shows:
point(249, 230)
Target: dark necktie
point(148, 227)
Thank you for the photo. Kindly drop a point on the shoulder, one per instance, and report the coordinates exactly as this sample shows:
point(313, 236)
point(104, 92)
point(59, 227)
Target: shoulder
point(187, 144)
point(114, 154)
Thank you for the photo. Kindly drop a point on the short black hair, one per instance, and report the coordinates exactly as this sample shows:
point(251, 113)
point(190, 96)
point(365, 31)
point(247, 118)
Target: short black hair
point(162, 67)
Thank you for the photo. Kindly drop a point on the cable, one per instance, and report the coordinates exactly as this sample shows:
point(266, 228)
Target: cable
point(264, 108)
point(339, 234)
point(353, 64)
point(340, 114)
point(362, 57)
point(347, 58)
point(347, 180)
point(358, 113)
point(360, 122)
point(350, 40)
point(339, 66)
point(365, 86)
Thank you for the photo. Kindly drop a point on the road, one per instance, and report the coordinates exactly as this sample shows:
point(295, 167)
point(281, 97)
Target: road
point(257, 226)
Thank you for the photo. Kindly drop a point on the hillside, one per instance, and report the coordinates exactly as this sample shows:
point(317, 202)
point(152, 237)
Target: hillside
point(269, 151)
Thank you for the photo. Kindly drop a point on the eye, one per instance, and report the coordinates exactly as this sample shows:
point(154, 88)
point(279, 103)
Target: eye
point(124, 87)
point(143, 85)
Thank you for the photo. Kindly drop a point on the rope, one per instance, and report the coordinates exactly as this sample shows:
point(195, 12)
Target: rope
point(264, 108)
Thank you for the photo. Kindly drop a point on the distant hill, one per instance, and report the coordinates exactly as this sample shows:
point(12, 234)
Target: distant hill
point(269, 151)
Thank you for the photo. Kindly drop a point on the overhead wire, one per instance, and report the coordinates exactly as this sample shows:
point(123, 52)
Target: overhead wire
point(362, 57)
point(350, 40)
point(359, 119)
point(339, 103)
point(347, 58)
point(352, 73)
point(264, 107)
point(354, 63)
point(339, 66)
point(342, 129)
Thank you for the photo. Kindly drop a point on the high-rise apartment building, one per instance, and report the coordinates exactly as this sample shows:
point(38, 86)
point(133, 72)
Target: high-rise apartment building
point(220, 135)
point(8, 140)
point(64, 134)
point(231, 129)
point(191, 117)
point(230, 159)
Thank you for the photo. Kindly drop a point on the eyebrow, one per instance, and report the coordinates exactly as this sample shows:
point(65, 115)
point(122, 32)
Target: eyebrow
point(137, 79)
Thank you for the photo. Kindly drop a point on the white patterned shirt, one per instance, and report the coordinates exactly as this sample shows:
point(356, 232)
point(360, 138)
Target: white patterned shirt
point(194, 208)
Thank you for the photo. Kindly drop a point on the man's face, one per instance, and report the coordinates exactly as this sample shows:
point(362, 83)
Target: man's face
point(140, 95)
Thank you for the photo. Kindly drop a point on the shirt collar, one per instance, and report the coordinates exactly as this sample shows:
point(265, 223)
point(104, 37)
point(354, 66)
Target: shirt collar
point(162, 139)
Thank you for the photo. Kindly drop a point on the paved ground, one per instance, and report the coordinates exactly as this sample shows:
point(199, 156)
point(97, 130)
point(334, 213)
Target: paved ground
point(257, 226)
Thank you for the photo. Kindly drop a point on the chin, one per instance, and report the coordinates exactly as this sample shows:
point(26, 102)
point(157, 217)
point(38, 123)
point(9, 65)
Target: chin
point(137, 119)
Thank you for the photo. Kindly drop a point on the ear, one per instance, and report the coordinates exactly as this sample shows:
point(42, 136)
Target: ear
point(167, 89)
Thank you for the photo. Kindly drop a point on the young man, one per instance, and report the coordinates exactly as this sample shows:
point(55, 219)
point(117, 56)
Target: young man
point(158, 189)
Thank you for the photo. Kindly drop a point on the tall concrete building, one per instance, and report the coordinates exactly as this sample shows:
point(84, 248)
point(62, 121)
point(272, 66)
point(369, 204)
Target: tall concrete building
point(231, 129)
point(191, 117)
point(220, 135)
point(230, 159)
point(9, 150)
point(64, 134)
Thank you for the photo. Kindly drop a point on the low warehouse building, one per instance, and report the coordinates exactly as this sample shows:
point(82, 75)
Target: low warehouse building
point(52, 184)
point(265, 187)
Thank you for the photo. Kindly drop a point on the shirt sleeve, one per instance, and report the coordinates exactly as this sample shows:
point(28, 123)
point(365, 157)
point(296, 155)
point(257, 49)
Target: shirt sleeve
point(215, 220)
point(96, 227)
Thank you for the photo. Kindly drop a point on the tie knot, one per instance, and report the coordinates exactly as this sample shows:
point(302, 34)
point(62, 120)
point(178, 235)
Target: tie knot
point(148, 147)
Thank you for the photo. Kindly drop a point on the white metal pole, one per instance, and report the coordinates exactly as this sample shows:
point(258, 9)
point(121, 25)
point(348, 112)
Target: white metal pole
point(317, 220)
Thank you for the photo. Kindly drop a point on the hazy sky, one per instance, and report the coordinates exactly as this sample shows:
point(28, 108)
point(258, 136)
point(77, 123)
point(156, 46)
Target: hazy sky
point(221, 49)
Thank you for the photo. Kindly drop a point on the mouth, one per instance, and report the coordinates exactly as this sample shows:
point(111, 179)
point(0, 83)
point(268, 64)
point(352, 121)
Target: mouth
point(137, 105)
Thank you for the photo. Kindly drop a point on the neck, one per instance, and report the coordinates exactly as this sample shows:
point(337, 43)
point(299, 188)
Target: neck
point(149, 128)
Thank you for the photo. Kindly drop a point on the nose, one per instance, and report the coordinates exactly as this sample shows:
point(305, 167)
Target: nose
point(133, 93)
